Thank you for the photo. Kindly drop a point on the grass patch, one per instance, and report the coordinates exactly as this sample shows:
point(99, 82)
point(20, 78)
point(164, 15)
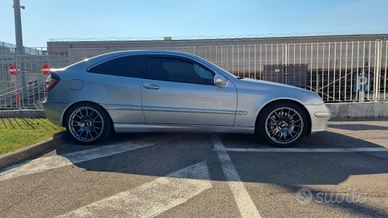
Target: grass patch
point(17, 133)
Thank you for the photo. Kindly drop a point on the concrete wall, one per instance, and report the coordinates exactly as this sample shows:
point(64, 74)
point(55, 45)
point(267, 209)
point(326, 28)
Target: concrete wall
point(358, 110)
point(63, 46)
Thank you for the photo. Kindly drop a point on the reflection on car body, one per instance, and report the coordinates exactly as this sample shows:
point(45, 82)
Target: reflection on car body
point(153, 91)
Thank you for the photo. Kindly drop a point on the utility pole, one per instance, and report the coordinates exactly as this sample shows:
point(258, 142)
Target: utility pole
point(18, 27)
point(19, 50)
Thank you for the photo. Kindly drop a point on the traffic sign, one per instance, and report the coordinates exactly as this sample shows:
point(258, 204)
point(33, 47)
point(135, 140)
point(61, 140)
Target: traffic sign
point(12, 70)
point(361, 83)
point(45, 69)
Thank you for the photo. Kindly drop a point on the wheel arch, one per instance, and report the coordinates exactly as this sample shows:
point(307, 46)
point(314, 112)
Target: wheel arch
point(68, 110)
point(308, 132)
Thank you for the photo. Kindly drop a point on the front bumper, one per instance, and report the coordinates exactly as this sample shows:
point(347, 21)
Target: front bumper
point(319, 115)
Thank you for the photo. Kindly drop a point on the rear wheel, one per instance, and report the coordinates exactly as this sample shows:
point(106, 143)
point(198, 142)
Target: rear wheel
point(282, 124)
point(88, 124)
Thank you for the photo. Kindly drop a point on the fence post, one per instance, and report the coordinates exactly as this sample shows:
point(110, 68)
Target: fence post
point(18, 80)
point(285, 70)
point(19, 50)
point(377, 72)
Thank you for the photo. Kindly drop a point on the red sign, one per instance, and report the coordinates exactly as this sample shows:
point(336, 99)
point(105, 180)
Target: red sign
point(12, 70)
point(45, 69)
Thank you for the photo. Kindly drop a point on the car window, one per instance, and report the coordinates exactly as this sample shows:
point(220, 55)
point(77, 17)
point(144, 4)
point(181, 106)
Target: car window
point(202, 72)
point(128, 66)
point(178, 70)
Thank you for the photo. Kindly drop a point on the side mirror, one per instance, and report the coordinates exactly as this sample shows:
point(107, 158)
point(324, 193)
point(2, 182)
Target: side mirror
point(220, 81)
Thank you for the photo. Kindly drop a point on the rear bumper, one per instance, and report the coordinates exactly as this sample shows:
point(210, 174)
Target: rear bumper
point(54, 112)
point(319, 115)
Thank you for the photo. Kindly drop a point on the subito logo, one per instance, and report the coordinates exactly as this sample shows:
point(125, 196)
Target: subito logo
point(304, 196)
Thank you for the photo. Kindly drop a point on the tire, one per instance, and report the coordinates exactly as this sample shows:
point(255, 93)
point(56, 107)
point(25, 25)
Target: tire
point(88, 124)
point(282, 124)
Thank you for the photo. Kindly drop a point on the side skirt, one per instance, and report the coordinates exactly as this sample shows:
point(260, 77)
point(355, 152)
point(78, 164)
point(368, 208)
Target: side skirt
point(122, 128)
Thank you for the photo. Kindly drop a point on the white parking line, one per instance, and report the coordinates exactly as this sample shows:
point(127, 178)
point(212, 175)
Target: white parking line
point(317, 150)
point(151, 199)
point(244, 202)
point(47, 163)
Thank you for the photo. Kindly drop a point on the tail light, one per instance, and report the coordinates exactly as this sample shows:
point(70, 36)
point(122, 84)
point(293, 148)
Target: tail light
point(52, 81)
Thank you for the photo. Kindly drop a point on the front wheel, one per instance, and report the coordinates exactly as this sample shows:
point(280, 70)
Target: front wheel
point(87, 124)
point(282, 124)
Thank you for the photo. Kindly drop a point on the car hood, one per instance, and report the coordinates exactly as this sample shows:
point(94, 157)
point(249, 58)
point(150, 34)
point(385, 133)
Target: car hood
point(272, 90)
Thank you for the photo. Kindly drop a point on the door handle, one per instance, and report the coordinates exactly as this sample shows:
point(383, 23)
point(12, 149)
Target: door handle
point(150, 86)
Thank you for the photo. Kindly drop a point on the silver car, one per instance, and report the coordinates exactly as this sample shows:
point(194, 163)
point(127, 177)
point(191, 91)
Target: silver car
point(156, 91)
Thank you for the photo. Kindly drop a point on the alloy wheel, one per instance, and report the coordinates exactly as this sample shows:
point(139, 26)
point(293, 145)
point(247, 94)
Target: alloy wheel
point(86, 124)
point(284, 125)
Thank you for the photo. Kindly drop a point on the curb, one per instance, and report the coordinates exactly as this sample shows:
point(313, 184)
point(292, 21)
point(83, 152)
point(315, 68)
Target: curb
point(31, 151)
point(26, 113)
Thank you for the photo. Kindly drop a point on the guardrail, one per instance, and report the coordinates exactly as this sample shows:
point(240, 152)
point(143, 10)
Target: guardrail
point(353, 71)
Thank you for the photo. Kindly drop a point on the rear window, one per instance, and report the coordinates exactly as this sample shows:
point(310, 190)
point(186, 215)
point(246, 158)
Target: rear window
point(128, 66)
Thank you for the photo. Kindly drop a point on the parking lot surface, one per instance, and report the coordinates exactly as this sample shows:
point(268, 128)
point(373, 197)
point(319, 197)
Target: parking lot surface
point(340, 173)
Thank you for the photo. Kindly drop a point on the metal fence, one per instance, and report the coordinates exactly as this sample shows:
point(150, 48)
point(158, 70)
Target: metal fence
point(336, 71)
point(23, 87)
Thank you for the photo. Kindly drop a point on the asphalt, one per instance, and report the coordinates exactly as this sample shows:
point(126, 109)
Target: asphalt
point(339, 111)
point(43, 147)
point(216, 175)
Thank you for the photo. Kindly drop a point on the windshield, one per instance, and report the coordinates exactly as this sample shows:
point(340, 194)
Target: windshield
point(217, 68)
point(224, 71)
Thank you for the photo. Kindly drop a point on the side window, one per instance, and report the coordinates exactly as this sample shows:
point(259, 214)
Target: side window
point(178, 70)
point(128, 66)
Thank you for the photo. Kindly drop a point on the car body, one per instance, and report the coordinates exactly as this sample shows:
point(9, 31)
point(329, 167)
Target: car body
point(154, 91)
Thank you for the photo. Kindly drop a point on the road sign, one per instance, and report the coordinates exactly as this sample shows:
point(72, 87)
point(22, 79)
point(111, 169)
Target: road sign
point(361, 83)
point(12, 70)
point(45, 69)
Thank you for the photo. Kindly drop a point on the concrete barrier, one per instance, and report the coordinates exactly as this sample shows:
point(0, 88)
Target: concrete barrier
point(358, 110)
point(25, 113)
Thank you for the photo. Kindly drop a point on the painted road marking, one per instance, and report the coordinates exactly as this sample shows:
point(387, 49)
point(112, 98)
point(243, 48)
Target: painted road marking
point(317, 150)
point(153, 198)
point(244, 202)
point(47, 163)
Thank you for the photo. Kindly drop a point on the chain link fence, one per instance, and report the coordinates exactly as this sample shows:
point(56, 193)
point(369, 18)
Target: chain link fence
point(354, 71)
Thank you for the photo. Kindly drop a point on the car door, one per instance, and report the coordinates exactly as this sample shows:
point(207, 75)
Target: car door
point(178, 90)
point(119, 79)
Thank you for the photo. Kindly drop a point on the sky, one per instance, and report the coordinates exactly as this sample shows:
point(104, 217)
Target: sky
point(74, 20)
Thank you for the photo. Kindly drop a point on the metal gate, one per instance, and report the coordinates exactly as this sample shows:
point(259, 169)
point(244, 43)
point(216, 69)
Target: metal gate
point(337, 71)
